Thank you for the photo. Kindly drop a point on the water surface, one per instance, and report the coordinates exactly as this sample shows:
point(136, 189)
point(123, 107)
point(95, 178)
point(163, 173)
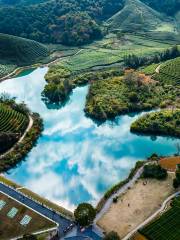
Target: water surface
point(75, 160)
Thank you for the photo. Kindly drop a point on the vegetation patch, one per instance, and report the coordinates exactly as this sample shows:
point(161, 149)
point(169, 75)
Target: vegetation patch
point(60, 81)
point(154, 171)
point(165, 122)
point(84, 214)
point(13, 125)
point(167, 226)
point(133, 92)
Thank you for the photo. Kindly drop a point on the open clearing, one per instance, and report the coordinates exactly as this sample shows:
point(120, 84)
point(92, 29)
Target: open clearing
point(19, 220)
point(136, 205)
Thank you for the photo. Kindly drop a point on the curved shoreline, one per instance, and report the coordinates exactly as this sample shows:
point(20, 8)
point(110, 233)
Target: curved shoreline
point(19, 151)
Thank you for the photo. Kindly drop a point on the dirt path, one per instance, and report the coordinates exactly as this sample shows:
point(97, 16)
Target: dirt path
point(22, 137)
point(122, 190)
point(158, 69)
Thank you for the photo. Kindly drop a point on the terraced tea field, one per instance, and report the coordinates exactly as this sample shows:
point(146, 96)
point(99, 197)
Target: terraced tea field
point(112, 50)
point(169, 72)
point(12, 121)
point(167, 226)
point(6, 69)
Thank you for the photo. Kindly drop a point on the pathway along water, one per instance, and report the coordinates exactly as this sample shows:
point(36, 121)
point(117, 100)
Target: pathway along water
point(75, 160)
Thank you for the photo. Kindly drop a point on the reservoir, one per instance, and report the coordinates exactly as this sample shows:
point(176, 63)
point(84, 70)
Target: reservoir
point(75, 159)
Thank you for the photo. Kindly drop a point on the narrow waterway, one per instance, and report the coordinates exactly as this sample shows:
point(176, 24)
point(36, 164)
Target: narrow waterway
point(75, 160)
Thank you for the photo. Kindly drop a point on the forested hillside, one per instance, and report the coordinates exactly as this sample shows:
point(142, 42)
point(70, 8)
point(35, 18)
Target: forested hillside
point(77, 22)
point(58, 21)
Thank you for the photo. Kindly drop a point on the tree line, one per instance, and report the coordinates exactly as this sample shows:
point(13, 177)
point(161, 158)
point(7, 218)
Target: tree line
point(135, 61)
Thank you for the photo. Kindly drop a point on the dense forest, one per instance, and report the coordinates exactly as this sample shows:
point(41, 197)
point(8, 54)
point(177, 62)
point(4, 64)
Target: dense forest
point(170, 7)
point(70, 22)
point(73, 22)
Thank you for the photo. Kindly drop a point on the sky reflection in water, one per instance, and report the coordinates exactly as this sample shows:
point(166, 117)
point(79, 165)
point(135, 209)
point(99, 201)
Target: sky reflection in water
point(75, 160)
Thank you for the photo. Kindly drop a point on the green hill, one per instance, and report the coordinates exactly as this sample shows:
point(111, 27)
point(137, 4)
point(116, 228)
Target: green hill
point(21, 51)
point(77, 22)
point(137, 16)
point(16, 52)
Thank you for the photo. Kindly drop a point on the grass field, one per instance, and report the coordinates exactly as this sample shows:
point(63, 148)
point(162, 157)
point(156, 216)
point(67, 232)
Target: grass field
point(166, 226)
point(19, 220)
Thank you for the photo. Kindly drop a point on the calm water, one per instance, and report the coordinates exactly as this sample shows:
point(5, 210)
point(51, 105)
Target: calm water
point(75, 160)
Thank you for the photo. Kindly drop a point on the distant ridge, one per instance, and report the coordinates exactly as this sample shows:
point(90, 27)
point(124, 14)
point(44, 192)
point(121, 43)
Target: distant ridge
point(136, 16)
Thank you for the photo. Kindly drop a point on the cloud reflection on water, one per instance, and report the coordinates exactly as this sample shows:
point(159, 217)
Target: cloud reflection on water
point(76, 160)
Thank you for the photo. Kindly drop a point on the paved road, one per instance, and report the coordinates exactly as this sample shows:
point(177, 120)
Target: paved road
point(60, 220)
point(152, 216)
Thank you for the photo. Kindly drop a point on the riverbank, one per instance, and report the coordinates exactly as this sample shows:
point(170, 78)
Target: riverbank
point(164, 122)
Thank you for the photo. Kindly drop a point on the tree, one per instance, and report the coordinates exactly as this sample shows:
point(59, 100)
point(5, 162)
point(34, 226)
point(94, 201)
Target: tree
point(112, 236)
point(154, 171)
point(84, 214)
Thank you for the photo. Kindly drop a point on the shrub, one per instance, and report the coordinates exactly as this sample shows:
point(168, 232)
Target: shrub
point(84, 214)
point(154, 171)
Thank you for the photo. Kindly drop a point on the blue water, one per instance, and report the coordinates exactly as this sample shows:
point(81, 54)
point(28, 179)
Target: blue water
point(75, 160)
